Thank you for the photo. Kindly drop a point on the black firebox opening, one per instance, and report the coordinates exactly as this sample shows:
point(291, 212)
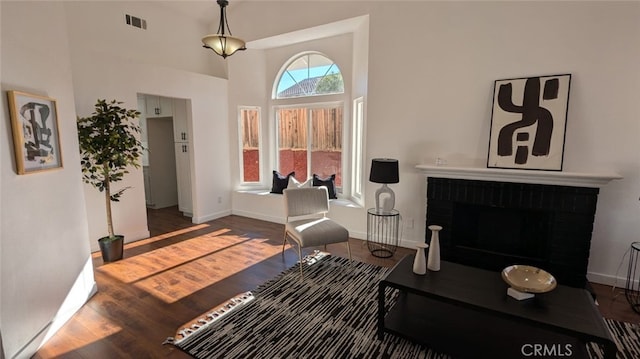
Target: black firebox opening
point(492, 238)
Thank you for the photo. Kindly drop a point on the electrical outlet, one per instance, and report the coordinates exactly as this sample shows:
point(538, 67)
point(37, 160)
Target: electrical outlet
point(219, 199)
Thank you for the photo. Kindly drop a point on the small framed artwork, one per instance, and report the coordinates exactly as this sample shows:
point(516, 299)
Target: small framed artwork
point(528, 122)
point(36, 138)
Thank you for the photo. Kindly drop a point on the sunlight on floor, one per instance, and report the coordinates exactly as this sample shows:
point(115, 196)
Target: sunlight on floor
point(83, 335)
point(167, 235)
point(157, 238)
point(147, 264)
point(178, 270)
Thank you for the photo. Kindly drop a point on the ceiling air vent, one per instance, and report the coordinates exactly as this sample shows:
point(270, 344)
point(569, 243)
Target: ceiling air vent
point(135, 21)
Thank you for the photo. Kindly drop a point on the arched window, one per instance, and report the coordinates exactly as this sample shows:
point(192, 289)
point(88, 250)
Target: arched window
point(309, 74)
point(310, 134)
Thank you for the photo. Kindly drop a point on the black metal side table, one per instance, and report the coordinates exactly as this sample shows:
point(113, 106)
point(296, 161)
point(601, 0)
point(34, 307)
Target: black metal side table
point(632, 290)
point(383, 229)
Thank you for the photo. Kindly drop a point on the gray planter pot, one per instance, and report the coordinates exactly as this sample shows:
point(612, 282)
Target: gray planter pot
point(111, 249)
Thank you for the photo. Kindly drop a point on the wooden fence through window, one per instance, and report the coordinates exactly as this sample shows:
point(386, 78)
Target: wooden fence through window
point(250, 129)
point(326, 129)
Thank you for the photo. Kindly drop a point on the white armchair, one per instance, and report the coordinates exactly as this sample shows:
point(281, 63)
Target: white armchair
point(307, 224)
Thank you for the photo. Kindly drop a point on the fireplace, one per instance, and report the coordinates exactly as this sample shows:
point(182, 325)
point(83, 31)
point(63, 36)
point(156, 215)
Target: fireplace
point(491, 225)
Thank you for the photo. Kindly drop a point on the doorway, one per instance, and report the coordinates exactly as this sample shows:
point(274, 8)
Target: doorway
point(166, 161)
point(161, 185)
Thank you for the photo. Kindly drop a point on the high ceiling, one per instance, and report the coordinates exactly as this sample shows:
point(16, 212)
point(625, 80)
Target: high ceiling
point(206, 11)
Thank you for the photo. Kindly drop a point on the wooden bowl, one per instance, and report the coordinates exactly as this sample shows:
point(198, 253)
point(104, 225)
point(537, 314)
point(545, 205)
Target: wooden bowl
point(528, 279)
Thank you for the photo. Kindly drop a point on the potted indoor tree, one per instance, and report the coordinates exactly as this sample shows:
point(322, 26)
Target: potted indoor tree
point(109, 147)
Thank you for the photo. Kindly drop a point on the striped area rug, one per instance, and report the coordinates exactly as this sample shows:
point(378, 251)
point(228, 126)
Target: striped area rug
point(329, 314)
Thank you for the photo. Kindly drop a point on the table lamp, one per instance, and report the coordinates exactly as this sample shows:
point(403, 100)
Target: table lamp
point(384, 170)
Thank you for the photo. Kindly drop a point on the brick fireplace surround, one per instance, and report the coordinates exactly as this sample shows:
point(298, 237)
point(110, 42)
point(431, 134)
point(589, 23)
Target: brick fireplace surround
point(493, 218)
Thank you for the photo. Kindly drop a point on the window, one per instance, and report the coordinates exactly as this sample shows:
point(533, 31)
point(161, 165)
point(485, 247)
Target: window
point(310, 131)
point(310, 141)
point(308, 75)
point(357, 149)
point(249, 132)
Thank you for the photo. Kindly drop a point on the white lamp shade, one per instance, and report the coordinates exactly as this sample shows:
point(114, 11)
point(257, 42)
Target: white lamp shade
point(223, 45)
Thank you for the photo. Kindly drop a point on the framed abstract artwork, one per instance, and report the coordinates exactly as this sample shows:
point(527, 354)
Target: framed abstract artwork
point(36, 138)
point(528, 122)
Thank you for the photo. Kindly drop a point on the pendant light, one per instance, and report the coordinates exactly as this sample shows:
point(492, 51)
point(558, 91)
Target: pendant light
point(222, 43)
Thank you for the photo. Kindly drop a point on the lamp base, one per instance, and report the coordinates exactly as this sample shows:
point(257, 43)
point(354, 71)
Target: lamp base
point(388, 202)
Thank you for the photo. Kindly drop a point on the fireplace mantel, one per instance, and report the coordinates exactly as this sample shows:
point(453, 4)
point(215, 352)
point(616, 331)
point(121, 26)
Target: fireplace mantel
point(559, 178)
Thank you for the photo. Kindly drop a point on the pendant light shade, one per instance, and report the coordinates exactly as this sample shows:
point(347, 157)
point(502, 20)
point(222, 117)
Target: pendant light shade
point(223, 43)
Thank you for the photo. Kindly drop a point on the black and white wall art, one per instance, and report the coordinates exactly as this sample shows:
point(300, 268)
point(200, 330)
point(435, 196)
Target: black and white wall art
point(528, 122)
point(36, 140)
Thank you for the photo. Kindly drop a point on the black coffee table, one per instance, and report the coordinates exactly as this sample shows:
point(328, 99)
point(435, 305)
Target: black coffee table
point(466, 312)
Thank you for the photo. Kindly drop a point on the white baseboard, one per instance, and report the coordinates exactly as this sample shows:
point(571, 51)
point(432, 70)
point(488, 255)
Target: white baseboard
point(617, 282)
point(210, 217)
point(259, 216)
point(405, 243)
point(409, 243)
point(358, 235)
point(135, 236)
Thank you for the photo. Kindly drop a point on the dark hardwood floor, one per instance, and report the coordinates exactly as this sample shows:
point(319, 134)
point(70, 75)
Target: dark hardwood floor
point(185, 270)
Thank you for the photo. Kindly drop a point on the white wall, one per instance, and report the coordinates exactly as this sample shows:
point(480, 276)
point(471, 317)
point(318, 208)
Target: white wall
point(172, 39)
point(340, 49)
point(78, 52)
point(431, 72)
point(210, 145)
point(105, 72)
point(45, 246)
point(3, 133)
point(432, 66)
point(337, 48)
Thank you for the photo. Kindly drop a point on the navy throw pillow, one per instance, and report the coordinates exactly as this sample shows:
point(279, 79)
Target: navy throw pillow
point(280, 182)
point(329, 182)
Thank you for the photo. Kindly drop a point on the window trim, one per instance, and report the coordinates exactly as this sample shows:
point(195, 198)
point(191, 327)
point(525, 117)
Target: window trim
point(357, 150)
point(350, 173)
point(292, 59)
point(261, 180)
point(308, 106)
